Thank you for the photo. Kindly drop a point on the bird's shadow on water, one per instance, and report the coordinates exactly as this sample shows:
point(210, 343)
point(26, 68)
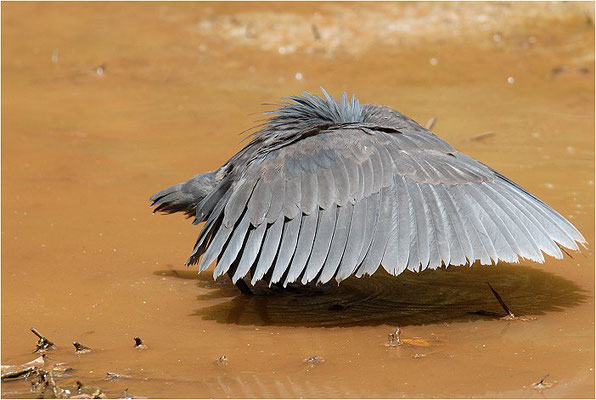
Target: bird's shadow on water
point(444, 295)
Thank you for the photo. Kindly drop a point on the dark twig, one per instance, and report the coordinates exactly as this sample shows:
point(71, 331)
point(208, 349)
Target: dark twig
point(501, 302)
point(43, 343)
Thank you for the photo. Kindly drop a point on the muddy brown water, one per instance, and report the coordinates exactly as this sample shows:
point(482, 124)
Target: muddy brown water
point(104, 105)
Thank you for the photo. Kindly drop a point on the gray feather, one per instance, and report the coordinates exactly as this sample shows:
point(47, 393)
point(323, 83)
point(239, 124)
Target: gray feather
point(372, 218)
point(377, 167)
point(535, 229)
point(309, 193)
point(534, 233)
point(354, 243)
point(390, 257)
point(326, 188)
point(232, 248)
point(338, 243)
point(259, 202)
point(286, 248)
point(320, 248)
point(494, 227)
point(215, 247)
point(550, 223)
point(354, 179)
point(387, 165)
point(303, 247)
point(419, 240)
point(457, 254)
point(457, 222)
point(373, 257)
point(529, 247)
point(237, 202)
point(435, 219)
point(479, 238)
point(341, 182)
point(278, 187)
point(367, 177)
point(292, 197)
point(250, 251)
point(516, 239)
point(269, 251)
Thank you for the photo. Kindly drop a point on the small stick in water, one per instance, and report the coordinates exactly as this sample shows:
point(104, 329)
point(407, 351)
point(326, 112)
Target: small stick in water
point(430, 123)
point(541, 384)
point(112, 376)
point(482, 136)
point(501, 302)
point(81, 348)
point(139, 343)
point(43, 343)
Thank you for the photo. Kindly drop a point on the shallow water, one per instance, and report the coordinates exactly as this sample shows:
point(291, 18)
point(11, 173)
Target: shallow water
point(103, 106)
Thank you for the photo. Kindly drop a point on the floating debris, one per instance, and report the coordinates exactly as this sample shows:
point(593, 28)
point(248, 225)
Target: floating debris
point(315, 32)
point(434, 61)
point(45, 380)
point(139, 343)
point(62, 370)
point(93, 391)
point(511, 80)
point(418, 355)
point(55, 56)
point(394, 339)
point(222, 360)
point(482, 136)
point(43, 343)
point(111, 376)
point(541, 384)
point(430, 123)
point(100, 69)
point(14, 372)
point(299, 76)
point(314, 360)
point(81, 348)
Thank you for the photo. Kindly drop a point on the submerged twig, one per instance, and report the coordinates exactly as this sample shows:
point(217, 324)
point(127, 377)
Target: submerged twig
point(482, 136)
point(501, 302)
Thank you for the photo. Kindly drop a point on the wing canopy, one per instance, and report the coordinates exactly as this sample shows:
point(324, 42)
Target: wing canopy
point(351, 197)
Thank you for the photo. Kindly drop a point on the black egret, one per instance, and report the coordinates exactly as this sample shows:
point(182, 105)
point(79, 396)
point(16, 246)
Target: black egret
point(327, 189)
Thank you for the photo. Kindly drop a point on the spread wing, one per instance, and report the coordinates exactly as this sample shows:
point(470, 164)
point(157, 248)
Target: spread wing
point(351, 198)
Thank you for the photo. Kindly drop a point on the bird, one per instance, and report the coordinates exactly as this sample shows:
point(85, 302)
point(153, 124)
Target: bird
point(326, 189)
